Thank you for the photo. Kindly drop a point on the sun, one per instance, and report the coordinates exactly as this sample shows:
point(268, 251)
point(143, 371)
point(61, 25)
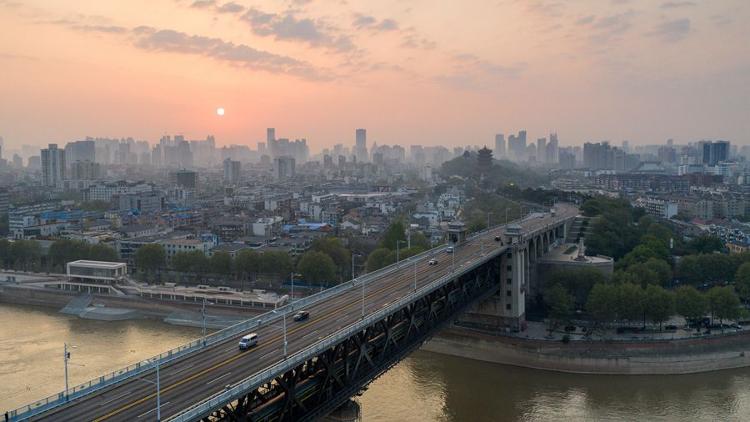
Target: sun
point(220, 111)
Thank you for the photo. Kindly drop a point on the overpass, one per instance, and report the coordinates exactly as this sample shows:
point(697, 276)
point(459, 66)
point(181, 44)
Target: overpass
point(303, 370)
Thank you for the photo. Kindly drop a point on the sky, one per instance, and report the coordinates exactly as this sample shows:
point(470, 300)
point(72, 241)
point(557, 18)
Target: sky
point(410, 71)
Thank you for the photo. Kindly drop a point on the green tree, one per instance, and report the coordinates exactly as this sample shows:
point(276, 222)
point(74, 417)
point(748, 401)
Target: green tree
point(150, 257)
point(221, 263)
point(602, 302)
point(183, 261)
point(578, 282)
point(25, 254)
point(247, 262)
point(659, 304)
point(742, 281)
point(690, 303)
point(5, 253)
point(704, 245)
point(559, 303)
point(275, 262)
point(630, 302)
point(334, 248)
point(102, 252)
point(379, 258)
point(395, 232)
point(317, 267)
point(723, 303)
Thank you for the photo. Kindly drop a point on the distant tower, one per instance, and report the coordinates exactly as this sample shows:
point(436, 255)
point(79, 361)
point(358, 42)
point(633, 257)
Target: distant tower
point(360, 147)
point(500, 145)
point(484, 158)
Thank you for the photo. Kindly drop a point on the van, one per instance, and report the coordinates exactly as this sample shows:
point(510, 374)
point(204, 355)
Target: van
point(248, 341)
point(449, 249)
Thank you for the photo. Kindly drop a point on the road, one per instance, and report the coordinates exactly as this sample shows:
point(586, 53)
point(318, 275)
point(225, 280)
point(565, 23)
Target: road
point(207, 372)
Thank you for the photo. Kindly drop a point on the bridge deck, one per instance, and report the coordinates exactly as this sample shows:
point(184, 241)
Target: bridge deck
point(205, 373)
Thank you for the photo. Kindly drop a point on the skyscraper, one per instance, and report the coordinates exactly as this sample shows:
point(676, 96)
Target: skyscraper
point(360, 148)
point(500, 145)
point(231, 171)
point(285, 168)
point(541, 150)
point(53, 166)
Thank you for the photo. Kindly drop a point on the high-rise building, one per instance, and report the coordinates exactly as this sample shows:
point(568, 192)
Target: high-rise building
point(85, 170)
point(285, 168)
point(541, 150)
point(270, 135)
point(53, 166)
point(715, 152)
point(186, 179)
point(80, 151)
point(360, 147)
point(231, 171)
point(499, 145)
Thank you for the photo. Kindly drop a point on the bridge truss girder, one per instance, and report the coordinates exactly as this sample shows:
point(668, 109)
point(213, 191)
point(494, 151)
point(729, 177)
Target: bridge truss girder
point(322, 383)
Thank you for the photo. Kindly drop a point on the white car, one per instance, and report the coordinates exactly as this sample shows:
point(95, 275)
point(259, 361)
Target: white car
point(449, 249)
point(248, 341)
point(432, 262)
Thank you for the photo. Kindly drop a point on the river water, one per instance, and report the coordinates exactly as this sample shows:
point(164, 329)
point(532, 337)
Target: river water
point(424, 387)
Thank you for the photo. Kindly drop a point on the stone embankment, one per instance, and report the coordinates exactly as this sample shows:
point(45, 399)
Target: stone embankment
point(657, 357)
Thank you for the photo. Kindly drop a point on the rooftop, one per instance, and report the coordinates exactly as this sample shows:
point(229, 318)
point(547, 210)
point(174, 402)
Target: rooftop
point(97, 264)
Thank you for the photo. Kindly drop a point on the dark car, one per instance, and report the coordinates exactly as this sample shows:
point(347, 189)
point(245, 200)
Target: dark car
point(498, 239)
point(301, 316)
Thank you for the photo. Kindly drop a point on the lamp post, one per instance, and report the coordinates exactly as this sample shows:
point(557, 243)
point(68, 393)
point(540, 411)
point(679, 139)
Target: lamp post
point(66, 357)
point(203, 316)
point(292, 281)
point(158, 393)
point(398, 242)
point(415, 275)
point(285, 342)
point(488, 220)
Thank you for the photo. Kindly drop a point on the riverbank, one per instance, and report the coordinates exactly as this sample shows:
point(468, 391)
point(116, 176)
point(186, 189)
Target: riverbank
point(120, 308)
point(657, 357)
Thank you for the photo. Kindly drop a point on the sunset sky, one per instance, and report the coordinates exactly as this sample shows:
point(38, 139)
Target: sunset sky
point(410, 71)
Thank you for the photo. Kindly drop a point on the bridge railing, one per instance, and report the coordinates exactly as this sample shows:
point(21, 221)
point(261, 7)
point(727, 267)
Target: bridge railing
point(138, 368)
point(146, 365)
point(199, 410)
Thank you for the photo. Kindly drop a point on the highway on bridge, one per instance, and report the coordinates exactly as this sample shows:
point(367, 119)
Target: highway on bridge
point(204, 373)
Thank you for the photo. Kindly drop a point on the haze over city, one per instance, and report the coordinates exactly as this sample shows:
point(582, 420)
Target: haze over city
point(411, 72)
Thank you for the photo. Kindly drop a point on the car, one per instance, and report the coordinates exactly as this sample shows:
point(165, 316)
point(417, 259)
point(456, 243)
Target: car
point(449, 249)
point(248, 341)
point(498, 239)
point(301, 316)
point(432, 262)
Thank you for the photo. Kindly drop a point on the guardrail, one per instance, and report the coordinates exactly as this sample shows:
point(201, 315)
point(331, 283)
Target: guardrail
point(138, 368)
point(201, 409)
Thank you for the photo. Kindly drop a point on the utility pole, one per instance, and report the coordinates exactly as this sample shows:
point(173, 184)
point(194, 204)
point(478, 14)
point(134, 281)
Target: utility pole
point(398, 242)
point(285, 342)
point(415, 275)
point(66, 357)
point(363, 299)
point(292, 280)
point(203, 315)
point(158, 393)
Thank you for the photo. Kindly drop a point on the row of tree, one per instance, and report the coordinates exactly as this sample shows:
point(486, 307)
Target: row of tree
point(393, 243)
point(27, 254)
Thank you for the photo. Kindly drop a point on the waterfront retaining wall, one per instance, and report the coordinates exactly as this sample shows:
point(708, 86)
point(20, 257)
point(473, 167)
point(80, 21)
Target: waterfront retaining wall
point(683, 356)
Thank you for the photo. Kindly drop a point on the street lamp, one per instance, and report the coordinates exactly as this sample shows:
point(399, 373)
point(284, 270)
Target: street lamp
point(415, 275)
point(203, 316)
point(158, 390)
point(66, 358)
point(398, 242)
point(285, 342)
point(488, 220)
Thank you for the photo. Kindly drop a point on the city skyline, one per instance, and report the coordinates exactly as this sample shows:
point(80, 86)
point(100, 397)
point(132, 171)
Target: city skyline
point(649, 71)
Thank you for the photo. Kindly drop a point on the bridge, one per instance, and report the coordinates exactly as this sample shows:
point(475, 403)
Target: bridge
point(303, 370)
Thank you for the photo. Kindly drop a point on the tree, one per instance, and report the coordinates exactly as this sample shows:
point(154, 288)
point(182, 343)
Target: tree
point(275, 262)
point(379, 258)
point(150, 257)
point(247, 262)
point(334, 248)
point(704, 245)
point(559, 303)
point(630, 302)
point(724, 303)
point(101, 252)
point(690, 303)
point(183, 261)
point(659, 304)
point(221, 263)
point(317, 267)
point(742, 281)
point(5, 255)
point(25, 254)
point(578, 282)
point(395, 232)
point(602, 302)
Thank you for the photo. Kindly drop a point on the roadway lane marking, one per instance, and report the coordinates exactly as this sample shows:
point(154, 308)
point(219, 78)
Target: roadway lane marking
point(152, 410)
point(310, 333)
point(113, 399)
point(388, 285)
point(180, 370)
point(218, 378)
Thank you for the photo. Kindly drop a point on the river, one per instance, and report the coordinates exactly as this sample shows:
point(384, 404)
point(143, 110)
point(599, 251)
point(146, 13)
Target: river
point(424, 387)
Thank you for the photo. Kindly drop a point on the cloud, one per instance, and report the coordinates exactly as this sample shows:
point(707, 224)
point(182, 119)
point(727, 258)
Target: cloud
point(371, 23)
point(609, 27)
point(286, 26)
point(414, 41)
point(230, 7)
point(203, 4)
point(171, 41)
point(672, 31)
point(471, 72)
point(677, 4)
point(585, 20)
point(111, 29)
